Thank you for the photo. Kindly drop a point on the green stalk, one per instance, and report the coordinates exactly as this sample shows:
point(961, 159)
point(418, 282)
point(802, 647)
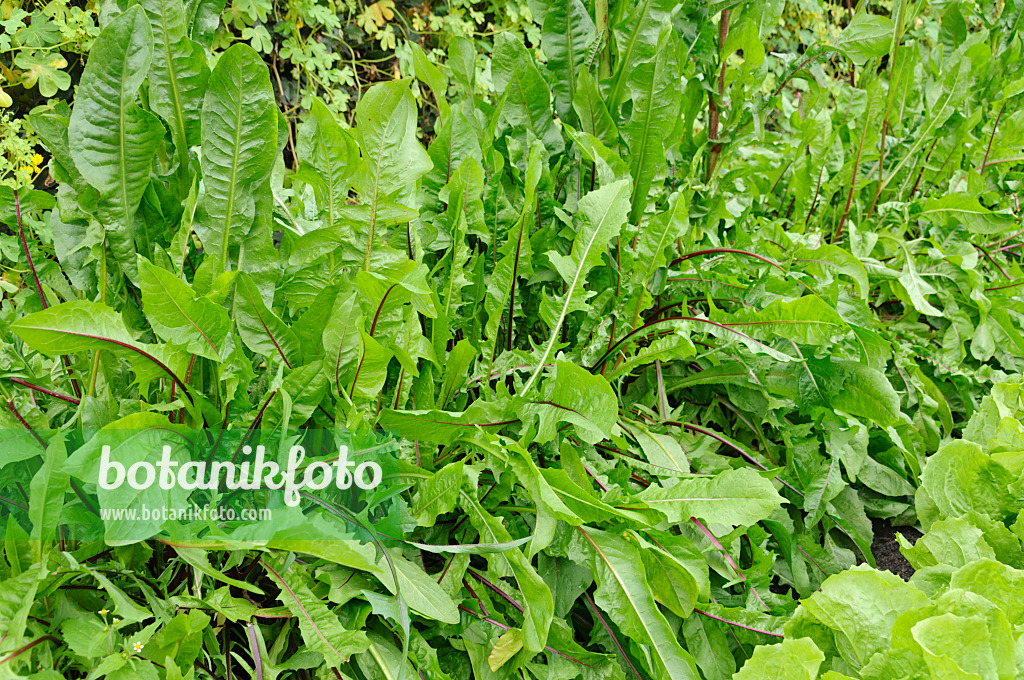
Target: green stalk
point(103, 299)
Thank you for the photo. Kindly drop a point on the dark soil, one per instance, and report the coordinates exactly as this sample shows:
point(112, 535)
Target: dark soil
point(887, 551)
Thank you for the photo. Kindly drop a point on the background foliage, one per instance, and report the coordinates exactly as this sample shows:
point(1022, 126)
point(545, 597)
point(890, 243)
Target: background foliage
point(662, 315)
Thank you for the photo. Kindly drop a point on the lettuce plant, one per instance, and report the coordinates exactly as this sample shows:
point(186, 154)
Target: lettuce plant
point(652, 333)
point(960, 614)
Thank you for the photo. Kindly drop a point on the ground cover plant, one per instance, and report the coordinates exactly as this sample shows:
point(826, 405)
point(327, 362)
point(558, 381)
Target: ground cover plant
point(655, 332)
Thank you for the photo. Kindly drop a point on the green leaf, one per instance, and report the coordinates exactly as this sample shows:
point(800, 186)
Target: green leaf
point(793, 659)
point(17, 595)
point(573, 394)
point(507, 646)
point(43, 69)
point(443, 427)
point(655, 86)
point(745, 37)
point(112, 140)
point(867, 36)
point(239, 142)
point(81, 325)
point(623, 592)
point(539, 605)
point(419, 590)
point(437, 495)
point(261, 330)
point(830, 256)
point(386, 133)
point(330, 159)
point(180, 316)
point(738, 497)
point(321, 629)
point(649, 255)
point(637, 36)
point(515, 263)
point(526, 97)
point(592, 112)
point(430, 74)
point(854, 612)
point(178, 76)
point(567, 31)
point(199, 560)
point(46, 496)
point(124, 606)
point(808, 320)
point(868, 393)
point(603, 213)
point(955, 541)
point(965, 209)
point(961, 477)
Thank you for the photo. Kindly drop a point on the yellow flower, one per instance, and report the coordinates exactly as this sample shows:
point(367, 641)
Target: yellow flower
point(37, 160)
point(137, 647)
point(104, 612)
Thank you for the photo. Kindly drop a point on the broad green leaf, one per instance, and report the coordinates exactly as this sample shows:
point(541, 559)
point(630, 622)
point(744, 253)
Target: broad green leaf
point(17, 595)
point(443, 427)
point(592, 112)
point(321, 629)
point(437, 495)
point(745, 37)
point(178, 76)
point(738, 497)
point(239, 140)
point(567, 31)
point(46, 496)
point(112, 140)
point(792, 659)
point(965, 209)
point(42, 69)
point(85, 636)
point(507, 646)
point(603, 212)
point(955, 541)
point(662, 232)
point(962, 646)
point(655, 86)
point(526, 97)
point(261, 330)
point(961, 477)
point(330, 159)
point(81, 325)
point(572, 394)
point(301, 392)
point(538, 603)
point(636, 36)
point(808, 320)
point(867, 36)
point(854, 612)
point(868, 393)
point(418, 589)
point(997, 582)
point(138, 437)
point(386, 133)
point(462, 194)
point(829, 256)
point(623, 592)
point(180, 316)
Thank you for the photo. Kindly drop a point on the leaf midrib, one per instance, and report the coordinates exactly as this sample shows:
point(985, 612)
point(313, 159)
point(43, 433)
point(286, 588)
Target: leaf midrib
point(235, 153)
